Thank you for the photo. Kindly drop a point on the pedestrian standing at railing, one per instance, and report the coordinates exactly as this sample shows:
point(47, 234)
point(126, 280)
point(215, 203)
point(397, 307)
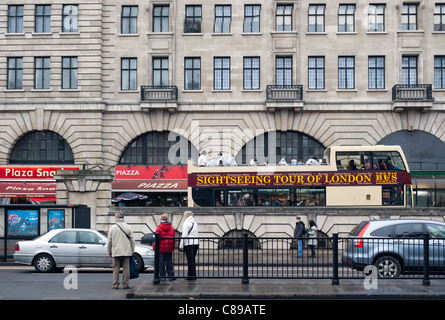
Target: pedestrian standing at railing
point(312, 234)
point(189, 244)
point(166, 247)
point(299, 232)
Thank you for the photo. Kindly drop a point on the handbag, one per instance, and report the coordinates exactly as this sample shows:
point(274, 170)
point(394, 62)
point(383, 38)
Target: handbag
point(134, 270)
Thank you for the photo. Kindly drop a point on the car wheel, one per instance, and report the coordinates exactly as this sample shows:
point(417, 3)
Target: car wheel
point(44, 263)
point(139, 262)
point(388, 267)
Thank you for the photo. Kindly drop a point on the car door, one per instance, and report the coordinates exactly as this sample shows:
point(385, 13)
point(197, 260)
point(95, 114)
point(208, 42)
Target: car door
point(409, 243)
point(436, 244)
point(92, 250)
point(64, 248)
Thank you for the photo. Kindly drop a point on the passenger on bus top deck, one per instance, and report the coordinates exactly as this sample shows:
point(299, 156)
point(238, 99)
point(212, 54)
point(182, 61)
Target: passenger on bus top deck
point(389, 164)
point(313, 162)
point(202, 160)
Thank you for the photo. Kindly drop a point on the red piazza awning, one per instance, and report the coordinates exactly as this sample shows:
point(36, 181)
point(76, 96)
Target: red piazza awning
point(163, 185)
point(10, 189)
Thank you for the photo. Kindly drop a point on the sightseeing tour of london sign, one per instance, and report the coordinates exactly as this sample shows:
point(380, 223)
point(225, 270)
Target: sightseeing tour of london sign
point(304, 179)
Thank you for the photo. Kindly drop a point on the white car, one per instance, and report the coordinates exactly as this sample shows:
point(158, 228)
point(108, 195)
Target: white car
point(77, 247)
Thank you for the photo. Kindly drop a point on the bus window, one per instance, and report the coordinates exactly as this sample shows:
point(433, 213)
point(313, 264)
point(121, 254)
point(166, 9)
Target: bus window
point(354, 161)
point(310, 197)
point(241, 198)
point(390, 160)
point(274, 197)
point(392, 196)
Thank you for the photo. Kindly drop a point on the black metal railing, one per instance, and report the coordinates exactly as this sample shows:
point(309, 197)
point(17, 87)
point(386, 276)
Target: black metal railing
point(159, 93)
point(402, 92)
point(334, 258)
point(274, 92)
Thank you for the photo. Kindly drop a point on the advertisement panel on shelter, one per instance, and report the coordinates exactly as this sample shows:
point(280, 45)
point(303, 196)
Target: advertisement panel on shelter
point(56, 219)
point(23, 223)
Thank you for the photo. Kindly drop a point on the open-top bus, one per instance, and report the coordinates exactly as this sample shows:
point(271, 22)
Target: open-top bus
point(349, 176)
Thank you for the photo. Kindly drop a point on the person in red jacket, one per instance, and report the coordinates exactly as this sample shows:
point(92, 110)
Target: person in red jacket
point(166, 247)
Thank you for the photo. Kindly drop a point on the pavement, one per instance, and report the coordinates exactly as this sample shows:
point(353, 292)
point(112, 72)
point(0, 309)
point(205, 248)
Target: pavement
point(290, 289)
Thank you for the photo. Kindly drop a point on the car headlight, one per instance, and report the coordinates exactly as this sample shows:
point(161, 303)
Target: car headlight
point(150, 253)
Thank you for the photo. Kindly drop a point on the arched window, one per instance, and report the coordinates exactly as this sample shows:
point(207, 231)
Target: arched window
point(157, 148)
point(41, 147)
point(288, 145)
point(422, 150)
point(234, 240)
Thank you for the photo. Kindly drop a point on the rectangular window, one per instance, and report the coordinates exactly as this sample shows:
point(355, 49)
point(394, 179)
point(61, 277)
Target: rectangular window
point(283, 18)
point(346, 72)
point(129, 69)
point(376, 18)
point(316, 18)
point(15, 19)
point(42, 73)
point(70, 18)
point(15, 73)
point(192, 74)
point(346, 18)
point(409, 70)
point(193, 19)
point(251, 73)
point(439, 17)
point(160, 72)
point(221, 76)
point(376, 72)
point(283, 71)
point(129, 20)
point(409, 17)
point(223, 17)
point(252, 18)
point(160, 18)
point(42, 19)
point(316, 73)
point(69, 73)
point(439, 72)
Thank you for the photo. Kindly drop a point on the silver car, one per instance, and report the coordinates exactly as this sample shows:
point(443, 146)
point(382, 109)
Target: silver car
point(76, 247)
point(395, 246)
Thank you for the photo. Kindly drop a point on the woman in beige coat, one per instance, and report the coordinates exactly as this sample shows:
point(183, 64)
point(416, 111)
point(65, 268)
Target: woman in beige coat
point(120, 246)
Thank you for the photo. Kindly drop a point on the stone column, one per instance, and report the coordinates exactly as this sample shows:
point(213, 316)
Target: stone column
point(89, 187)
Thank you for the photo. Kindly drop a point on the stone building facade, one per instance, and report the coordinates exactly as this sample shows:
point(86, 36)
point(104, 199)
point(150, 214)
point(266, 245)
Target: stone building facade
point(102, 73)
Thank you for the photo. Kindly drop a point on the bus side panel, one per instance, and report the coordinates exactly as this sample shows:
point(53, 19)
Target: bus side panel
point(354, 196)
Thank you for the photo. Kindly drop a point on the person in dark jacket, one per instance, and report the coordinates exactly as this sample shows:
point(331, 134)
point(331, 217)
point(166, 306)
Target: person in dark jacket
point(166, 247)
point(299, 233)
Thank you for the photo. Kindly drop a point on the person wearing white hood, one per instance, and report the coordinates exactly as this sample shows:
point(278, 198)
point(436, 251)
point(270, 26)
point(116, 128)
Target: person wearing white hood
point(188, 244)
